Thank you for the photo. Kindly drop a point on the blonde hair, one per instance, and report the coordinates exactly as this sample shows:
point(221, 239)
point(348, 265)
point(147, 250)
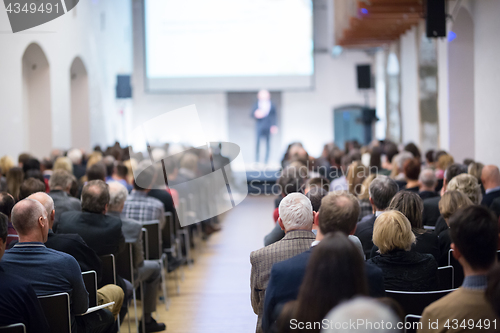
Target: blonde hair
point(365, 187)
point(63, 163)
point(445, 161)
point(392, 231)
point(131, 165)
point(6, 163)
point(94, 158)
point(468, 185)
point(356, 174)
point(451, 201)
point(476, 169)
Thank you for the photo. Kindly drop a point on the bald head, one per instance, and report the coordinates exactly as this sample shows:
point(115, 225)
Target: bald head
point(47, 203)
point(27, 215)
point(490, 177)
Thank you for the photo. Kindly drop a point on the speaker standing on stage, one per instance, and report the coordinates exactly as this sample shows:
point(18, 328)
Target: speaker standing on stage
point(265, 113)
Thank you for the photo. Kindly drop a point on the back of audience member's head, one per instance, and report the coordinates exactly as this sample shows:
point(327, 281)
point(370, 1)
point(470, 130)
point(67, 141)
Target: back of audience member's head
point(411, 205)
point(444, 161)
point(339, 212)
point(6, 163)
point(451, 201)
point(46, 164)
point(7, 202)
point(375, 159)
point(362, 309)
point(33, 173)
point(96, 172)
point(4, 231)
point(47, 202)
point(26, 215)
point(475, 169)
point(95, 197)
point(365, 187)
point(412, 148)
point(291, 180)
point(121, 170)
point(356, 174)
point(30, 186)
point(427, 179)
point(454, 170)
point(14, 178)
point(429, 157)
point(146, 179)
point(493, 290)
point(474, 236)
point(109, 163)
point(392, 231)
point(315, 195)
point(400, 159)
point(75, 155)
point(296, 213)
point(94, 157)
point(23, 158)
point(335, 273)
point(468, 185)
point(411, 169)
point(468, 161)
point(382, 189)
point(317, 182)
point(31, 164)
point(63, 163)
point(60, 180)
point(390, 150)
point(117, 196)
point(490, 176)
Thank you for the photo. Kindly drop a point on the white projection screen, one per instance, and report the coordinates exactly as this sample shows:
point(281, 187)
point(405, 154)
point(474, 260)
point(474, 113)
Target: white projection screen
point(228, 45)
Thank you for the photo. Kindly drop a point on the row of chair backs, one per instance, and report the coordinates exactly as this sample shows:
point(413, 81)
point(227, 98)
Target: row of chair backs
point(124, 263)
point(14, 328)
point(415, 302)
point(154, 241)
point(57, 311)
point(446, 277)
point(108, 269)
point(90, 281)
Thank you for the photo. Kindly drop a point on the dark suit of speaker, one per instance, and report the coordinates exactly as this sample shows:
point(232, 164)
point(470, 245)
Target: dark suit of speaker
point(263, 129)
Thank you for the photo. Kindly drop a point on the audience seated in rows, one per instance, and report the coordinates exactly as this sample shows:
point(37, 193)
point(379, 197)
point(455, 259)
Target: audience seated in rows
point(404, 270)
point(296, 219)
point(474, 235)
point(19, 303)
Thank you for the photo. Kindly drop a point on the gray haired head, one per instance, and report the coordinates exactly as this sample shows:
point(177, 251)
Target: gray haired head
point(382, 190)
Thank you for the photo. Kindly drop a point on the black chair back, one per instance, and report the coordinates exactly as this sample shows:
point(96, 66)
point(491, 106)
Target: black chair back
point(457, 269)
point(14, 328)
point(90, 281)
point(446, 275)
point(124, 263)
point(154, 239)
point(412, 323)
point(414, 303)
point(57, 311)
point(108, 270)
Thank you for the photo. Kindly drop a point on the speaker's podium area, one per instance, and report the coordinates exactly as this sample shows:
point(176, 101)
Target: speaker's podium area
point(249, 166)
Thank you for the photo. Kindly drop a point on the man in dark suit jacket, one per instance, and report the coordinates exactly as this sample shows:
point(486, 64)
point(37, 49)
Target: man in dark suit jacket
point(60, 185)
point(264, 112)
point(490, 177)
point(338, 212)
point(101, 232)
point(382, 190)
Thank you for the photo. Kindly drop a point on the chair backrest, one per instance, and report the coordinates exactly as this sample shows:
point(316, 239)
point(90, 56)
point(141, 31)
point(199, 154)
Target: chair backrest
point(415, 302)
point(125, 264)
point(90, 281)
point(154, 239)
point(57, 311)
point(412, 323)
point(446, 275)
point(458, 271)
point(168, 232)
point(14, 328)
point(108, 269)
point(145, 243)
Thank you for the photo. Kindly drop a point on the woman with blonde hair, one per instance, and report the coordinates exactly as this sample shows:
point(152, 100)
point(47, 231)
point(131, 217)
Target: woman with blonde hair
point(356, 174)
point(15, 178)
point(403, 270)
point(6, 163)
point(63, 163)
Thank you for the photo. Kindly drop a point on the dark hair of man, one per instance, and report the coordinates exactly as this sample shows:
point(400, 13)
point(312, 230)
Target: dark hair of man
point(96, 172)
point(95, 196)
point(339, 212)
point(468, 161)
point(31, 164)
point(121, 170)
point(33, 173)
point(382, 189)
point(7, 202)
point(411, 169)
point(390, 150)
point(23, 158)
point(493, 290)
point(410, 205)
point(319, 182)
point(30, 186)
point(291, 180)
point(454, 170)
point(47, 164)
point(375, 158)
point(109, 163)
point(315, 195)
point(146, 177)
point(429, 156)
point(412, 148)
point(474, 231)
point(335, 273)
point(4, 227)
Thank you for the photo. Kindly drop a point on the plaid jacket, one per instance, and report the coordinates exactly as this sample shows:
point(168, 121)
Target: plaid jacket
point(294, 242)
point(142, 208)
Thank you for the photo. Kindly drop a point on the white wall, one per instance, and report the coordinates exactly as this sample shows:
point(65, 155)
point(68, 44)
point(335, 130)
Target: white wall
point(98, 32)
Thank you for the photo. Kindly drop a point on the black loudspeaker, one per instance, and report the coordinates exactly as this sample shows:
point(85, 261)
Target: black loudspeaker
point(364, 73)
point(436, 18)
point(123, 88)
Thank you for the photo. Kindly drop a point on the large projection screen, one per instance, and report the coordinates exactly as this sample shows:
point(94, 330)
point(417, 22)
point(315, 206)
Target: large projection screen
point(228, 45)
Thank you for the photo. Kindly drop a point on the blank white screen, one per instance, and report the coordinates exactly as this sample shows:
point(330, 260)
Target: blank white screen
point(228, 44)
